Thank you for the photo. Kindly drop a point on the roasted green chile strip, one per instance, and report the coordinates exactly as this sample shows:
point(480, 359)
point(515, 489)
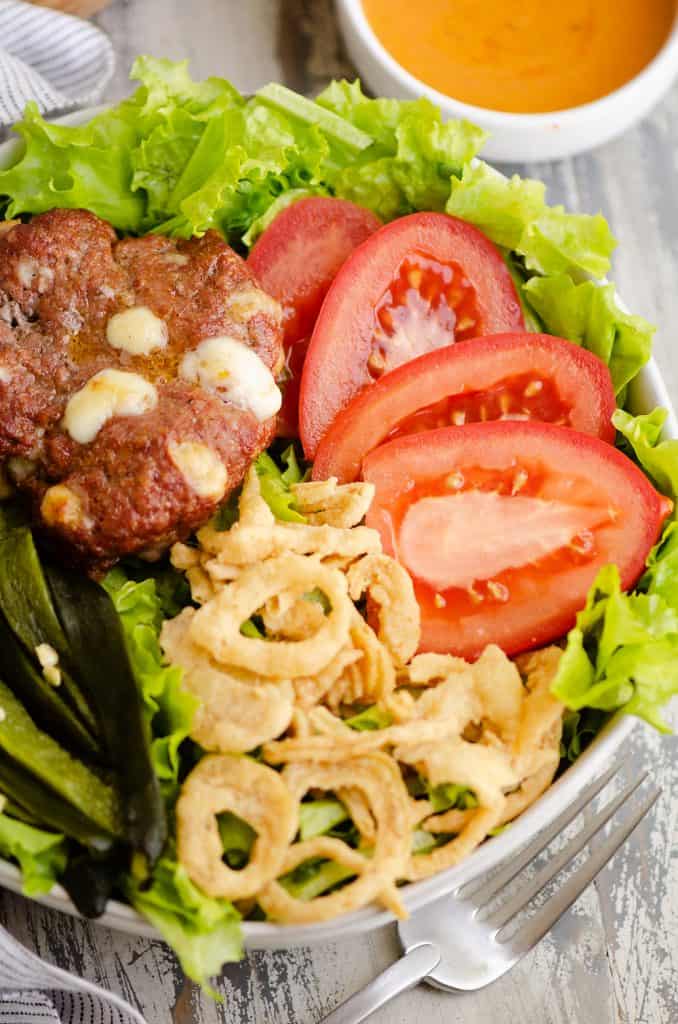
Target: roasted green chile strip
point(97, 646)
point(39, 754)
point(41, 699)
point(35, 803)
point(26, 603)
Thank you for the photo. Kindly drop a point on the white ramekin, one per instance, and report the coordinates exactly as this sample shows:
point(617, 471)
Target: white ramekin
point(516, 137)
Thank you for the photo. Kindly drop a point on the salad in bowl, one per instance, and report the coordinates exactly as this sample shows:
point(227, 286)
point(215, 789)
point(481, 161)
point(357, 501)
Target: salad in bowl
point(329, 540)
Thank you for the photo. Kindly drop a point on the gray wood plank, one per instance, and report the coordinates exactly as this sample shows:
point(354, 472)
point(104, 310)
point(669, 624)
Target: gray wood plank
point(614, 959)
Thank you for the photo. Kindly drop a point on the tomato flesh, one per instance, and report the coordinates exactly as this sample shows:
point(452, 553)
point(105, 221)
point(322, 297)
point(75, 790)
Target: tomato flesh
point(519, 397)
point(502, 377)
point(295, 260)
point(503, 527)
point(429, 304)
point(418, 284)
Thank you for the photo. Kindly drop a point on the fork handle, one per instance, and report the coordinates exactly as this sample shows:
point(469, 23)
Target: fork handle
point(404, 974)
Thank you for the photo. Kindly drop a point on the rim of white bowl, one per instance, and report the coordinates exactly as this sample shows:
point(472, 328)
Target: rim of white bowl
point(666, 58)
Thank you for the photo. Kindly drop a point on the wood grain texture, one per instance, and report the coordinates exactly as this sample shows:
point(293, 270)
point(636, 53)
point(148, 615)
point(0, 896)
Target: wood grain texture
point(614, 958)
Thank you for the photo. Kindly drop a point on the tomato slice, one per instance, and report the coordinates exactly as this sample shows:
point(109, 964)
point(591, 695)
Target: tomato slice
point(420, 283)
point(503, 527)
point(295, 260)
point(501, 377)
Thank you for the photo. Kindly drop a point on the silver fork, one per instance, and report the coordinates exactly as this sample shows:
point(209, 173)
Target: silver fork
point(466, 940)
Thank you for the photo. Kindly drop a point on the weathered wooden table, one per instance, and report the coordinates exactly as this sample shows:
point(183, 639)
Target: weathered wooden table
point(614, 958)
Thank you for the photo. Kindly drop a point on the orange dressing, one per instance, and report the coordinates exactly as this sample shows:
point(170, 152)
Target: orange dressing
point(528, 56)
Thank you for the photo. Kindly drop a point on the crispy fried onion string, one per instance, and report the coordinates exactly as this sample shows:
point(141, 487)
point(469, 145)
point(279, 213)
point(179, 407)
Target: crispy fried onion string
point(390, 588)
point(327, 503)
point(377, 778)
point(369, 678)
point(251, 791)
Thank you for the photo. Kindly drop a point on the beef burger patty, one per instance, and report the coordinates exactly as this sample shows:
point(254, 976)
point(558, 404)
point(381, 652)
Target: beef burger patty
point(136, 380)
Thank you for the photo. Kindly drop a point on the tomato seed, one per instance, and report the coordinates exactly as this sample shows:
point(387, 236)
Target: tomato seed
point(455, 481)
point(498, 590)
point(533, 388)
point(519, 481)
point(376, 362)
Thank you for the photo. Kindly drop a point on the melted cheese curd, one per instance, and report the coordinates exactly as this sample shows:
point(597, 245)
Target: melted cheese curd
point(137, 331)
point(291, 686)
point(107, 394)
point(235, 373)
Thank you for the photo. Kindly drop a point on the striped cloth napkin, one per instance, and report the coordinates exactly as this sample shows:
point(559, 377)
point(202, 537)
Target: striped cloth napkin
point(57, 60)
point(35, 992)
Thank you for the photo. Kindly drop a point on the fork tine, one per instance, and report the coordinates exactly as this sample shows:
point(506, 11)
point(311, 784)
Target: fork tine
point(542, 922)
point(562, 858)
point(490, 888)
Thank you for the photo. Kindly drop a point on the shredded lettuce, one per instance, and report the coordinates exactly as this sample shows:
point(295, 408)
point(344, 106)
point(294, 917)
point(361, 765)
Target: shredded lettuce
point(237, 838)
point(41, 855)
point(169, 706)
point(579, 728)
point(448, 795)
point(318, 817)
point(314, 878)
point(276, 484)
point(204, 932)
point(370, 719)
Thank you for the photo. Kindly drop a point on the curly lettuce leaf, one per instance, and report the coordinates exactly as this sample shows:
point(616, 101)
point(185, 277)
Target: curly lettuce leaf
point(170, 708)
point(658, 458)
point(413, 156)
point(204, 932)
point(622, 655)
point(588, 314)
point(88, 166)
point(41, 855)
point(514, 214)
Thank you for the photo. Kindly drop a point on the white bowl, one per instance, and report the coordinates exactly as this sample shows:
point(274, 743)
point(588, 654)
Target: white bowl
point(646, 392)
point(516, 137)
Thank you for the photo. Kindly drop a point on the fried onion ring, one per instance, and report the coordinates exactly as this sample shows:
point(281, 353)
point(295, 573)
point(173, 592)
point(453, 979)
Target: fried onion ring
point(255, 793)
point(216, 626)
point(378, 779)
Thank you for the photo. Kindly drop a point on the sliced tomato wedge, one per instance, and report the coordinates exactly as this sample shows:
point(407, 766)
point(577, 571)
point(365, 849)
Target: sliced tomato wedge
point(501, 377)
point(295, 260)
point(418, 284)
point(503, 527)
